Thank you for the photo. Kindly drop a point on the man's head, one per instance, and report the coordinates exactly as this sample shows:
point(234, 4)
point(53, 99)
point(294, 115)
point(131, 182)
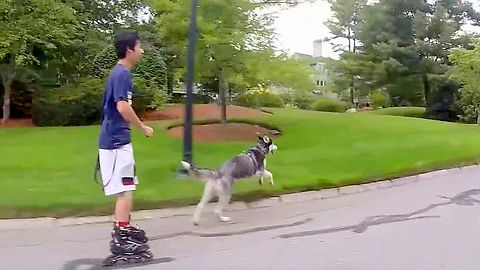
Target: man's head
point(128, 47)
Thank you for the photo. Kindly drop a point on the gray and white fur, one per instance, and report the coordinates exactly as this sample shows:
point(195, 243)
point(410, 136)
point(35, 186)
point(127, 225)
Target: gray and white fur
point(220, 182)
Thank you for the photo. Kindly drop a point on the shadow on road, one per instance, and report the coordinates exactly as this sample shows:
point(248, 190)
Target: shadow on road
point(464, 199)
point(97, 264)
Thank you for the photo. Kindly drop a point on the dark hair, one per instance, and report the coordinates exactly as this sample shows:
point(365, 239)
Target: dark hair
point(123, 41)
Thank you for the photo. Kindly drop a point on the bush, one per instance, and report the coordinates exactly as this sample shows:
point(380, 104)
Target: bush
point(70, 105)
point(20, 99)
point(152, 67)
point(80, 103)
point(442, 101)
point(257, 99)
point(299, 99)
point(304, 99)
point(147, 96)
point(379, 99)
point(329, 105)
point(468, 104)
point(181, 98)
point(416, 112)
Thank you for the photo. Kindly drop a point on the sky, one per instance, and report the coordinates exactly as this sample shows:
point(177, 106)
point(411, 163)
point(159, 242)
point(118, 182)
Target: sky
point(298, 27)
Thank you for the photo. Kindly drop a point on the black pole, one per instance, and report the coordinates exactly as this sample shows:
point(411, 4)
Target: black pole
point(187, 134)
point(223, 102)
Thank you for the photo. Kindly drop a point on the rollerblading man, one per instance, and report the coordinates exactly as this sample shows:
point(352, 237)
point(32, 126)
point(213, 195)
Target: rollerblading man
point(116, 160)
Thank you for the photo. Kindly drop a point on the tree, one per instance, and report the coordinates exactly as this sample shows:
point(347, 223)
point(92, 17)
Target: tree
point(343, 25)
point(467, 72)
point(100, 21)
point(410, 40)
point(344, 22)
point(32, 32)
point(150, 73)
point(106, 16)
point(229, 31)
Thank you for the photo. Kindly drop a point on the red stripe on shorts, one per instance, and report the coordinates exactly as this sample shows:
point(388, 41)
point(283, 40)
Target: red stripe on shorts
point(128, 181)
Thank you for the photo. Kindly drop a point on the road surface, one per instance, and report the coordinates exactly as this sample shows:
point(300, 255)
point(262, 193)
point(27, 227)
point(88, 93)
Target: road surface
point(433, 224)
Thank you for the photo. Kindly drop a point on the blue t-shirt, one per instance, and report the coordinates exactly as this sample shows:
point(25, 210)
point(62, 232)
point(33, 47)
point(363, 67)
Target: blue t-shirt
point(115, 131)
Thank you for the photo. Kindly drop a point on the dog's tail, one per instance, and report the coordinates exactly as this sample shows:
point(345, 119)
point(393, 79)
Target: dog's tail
point(198, 173)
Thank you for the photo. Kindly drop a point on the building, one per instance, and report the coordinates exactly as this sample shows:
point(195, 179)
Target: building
point(321, 76)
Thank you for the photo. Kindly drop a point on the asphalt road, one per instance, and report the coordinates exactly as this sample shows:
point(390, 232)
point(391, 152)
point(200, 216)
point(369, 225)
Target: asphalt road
point(433, 224)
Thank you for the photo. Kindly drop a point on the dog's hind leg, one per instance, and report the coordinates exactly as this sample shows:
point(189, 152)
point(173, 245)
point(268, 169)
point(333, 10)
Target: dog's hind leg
point(207, 196)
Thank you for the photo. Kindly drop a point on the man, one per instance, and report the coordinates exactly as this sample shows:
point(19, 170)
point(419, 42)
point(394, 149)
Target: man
point(116, 158)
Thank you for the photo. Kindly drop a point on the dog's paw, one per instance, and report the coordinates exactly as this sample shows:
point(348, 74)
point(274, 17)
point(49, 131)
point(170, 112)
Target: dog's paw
point(260, 181)
point(195, 222)
point(186, 165)
point(224, 219)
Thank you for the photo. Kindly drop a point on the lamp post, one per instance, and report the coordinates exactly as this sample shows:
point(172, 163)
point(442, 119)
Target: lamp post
point(187, 128)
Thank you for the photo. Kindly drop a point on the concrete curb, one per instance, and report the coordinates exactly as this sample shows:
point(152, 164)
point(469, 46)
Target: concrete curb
point(19, 224)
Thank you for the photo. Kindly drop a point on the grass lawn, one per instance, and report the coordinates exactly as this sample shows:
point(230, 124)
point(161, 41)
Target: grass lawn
point(49, 171)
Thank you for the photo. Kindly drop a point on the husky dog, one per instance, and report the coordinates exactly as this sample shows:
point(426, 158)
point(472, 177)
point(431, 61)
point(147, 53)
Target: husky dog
point(220, 183)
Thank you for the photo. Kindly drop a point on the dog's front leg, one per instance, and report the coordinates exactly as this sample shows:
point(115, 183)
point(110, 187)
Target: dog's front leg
point(260, 181)
point(268, 175)
point(207, 196)
point(260, 175)
point(223, 200)
point(224, 193)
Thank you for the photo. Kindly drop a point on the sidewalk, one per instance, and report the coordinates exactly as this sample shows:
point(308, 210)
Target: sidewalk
point(19, 224)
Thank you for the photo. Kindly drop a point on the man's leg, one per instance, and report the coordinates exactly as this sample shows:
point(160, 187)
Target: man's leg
point(123, 207)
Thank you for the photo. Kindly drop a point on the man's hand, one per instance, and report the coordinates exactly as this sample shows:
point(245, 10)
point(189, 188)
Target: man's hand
point(147, 131)
point(129, 115)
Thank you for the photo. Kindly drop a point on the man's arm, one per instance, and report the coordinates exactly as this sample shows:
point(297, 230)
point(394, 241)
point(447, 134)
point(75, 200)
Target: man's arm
point(127, 112)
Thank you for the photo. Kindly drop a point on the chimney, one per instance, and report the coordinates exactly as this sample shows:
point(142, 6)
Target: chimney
point(317, 48)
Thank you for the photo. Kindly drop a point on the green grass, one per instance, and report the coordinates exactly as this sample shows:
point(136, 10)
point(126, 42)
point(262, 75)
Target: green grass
point(49, 171)
point(402, 111)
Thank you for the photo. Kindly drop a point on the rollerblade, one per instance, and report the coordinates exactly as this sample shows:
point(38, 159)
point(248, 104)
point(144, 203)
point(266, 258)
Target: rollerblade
point(128, 245)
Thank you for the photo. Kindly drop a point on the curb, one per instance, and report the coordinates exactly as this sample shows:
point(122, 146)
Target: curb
point(19, 224)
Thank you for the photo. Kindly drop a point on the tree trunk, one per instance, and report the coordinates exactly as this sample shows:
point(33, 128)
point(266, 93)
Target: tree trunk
point(354, 45)
point(349, 41)
point(426, 88)
point(352, 92)
point(478, 114)
point(223, 100)
point(7, 79)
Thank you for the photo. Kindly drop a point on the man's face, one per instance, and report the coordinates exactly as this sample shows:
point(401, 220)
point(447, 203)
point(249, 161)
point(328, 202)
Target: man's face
point(135, 55)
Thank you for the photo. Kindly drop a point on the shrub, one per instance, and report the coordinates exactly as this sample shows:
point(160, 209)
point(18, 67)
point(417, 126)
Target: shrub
point(416, 112)
point(304, 99)
point(299, 99)
point(70, 105)
point(20, 99)
point(147, 96)
point(151, 68)
point(379, 99)
point(257, 99)
point(329, 105)
point(80, 103)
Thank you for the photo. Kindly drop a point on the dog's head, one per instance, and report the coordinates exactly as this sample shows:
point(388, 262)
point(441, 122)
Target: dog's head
point(266, 143)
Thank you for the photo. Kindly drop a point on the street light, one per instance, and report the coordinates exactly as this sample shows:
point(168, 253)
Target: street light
point(187, 128)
